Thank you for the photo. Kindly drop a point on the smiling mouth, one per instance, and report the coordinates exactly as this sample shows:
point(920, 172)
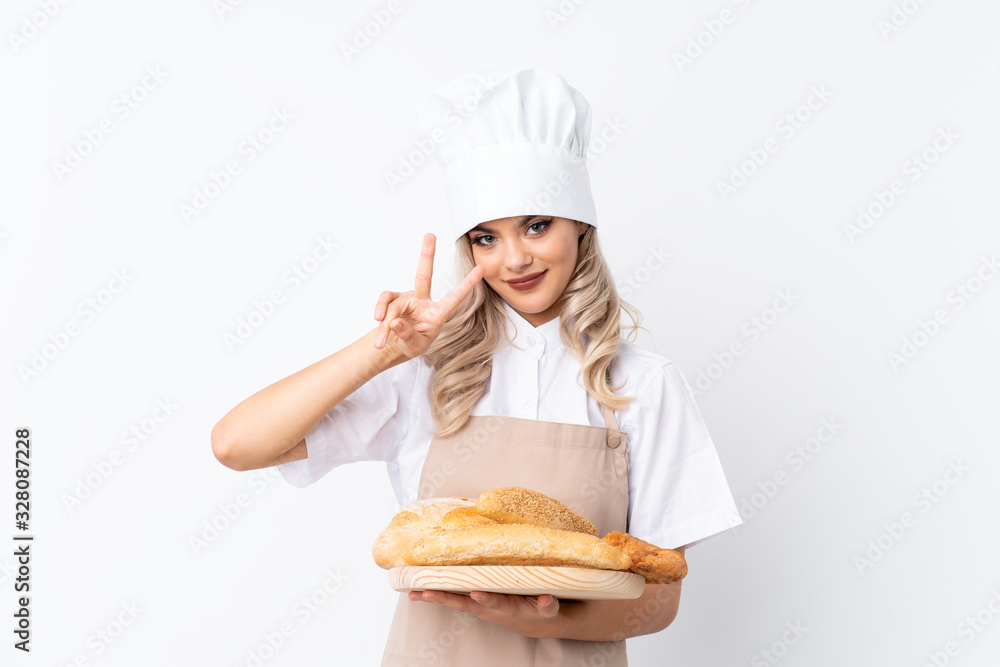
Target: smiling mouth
point(526, 279)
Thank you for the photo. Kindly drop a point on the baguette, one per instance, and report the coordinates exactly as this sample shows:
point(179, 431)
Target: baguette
point(658, 566)
point(515, 544)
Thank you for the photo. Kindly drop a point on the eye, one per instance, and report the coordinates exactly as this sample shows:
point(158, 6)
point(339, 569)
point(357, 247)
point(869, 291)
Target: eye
point(544, 224)
point(539, 227)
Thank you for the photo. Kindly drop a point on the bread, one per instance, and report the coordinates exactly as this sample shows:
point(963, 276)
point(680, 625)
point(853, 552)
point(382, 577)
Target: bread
point(461, 517)
point(515, 526)
point(515, 544)
point(514, 504)
point(410, 524)
point(658, 566)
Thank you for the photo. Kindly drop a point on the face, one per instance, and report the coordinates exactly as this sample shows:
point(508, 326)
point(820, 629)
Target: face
point(511, 249)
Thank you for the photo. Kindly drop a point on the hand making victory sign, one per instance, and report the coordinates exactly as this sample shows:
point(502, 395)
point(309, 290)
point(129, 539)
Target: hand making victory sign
point(412, 316)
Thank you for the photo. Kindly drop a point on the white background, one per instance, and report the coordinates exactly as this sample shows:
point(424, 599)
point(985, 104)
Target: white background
point(798, 560)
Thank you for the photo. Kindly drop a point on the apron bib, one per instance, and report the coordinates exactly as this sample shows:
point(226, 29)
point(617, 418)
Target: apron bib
point(584, 467)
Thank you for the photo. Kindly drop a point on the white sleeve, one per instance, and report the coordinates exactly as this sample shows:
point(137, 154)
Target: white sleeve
point(368, 425)
point(678, 494)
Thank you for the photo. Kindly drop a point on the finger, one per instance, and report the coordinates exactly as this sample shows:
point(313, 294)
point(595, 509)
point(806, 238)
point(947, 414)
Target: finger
point(548, 605)
point(401, 328)
point(425, 268)
point(382, 330)
point(453, 600)
point(451, 300)
point(489, 600)
point(383, 301)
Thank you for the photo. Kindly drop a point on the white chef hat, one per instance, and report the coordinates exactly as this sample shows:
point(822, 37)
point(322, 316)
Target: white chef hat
point(511, 143)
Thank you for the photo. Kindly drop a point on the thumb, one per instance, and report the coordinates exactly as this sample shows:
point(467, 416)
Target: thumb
point(548, 605)
point(400, 328)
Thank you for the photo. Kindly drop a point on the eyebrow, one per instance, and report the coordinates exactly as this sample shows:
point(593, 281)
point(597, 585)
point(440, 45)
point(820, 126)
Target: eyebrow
point(480, 228)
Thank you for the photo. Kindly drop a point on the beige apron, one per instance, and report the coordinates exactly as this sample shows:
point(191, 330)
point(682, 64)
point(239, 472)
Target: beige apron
point(585, 467)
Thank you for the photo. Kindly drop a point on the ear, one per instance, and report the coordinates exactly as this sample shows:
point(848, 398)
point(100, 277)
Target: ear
point(581, 228)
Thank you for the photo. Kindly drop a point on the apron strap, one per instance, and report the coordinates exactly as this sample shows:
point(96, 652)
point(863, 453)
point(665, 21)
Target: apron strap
point(615, 436)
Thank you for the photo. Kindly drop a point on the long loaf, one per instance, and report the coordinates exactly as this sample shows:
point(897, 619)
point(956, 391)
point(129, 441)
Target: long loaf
point(658, 566)
point(515, 544)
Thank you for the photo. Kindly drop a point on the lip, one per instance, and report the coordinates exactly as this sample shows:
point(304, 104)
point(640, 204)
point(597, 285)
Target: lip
point(531, 281)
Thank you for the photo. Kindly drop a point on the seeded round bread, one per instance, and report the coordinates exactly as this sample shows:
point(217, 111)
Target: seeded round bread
point(515, 504)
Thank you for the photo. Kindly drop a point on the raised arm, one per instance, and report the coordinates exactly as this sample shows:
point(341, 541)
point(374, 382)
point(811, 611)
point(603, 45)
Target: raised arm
point(269, 427)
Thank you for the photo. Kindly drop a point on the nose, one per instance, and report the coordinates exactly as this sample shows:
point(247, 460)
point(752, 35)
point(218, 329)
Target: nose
point(516, 255)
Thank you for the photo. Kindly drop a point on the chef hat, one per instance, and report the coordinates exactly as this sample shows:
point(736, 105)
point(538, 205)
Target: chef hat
point(511, 143)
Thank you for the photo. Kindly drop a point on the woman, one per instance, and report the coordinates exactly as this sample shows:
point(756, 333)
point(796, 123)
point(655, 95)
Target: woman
point(509, 380)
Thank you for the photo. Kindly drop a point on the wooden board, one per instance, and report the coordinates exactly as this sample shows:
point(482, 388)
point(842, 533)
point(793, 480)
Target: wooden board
point(571, 583)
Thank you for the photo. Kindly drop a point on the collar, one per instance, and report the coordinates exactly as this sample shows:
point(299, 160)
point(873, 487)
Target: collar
point(534, 341)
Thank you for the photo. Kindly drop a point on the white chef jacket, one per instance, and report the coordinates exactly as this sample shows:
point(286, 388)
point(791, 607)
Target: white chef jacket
point(677, 491)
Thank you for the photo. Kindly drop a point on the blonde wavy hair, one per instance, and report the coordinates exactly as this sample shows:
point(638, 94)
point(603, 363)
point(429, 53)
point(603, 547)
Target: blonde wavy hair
point(590, 328)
